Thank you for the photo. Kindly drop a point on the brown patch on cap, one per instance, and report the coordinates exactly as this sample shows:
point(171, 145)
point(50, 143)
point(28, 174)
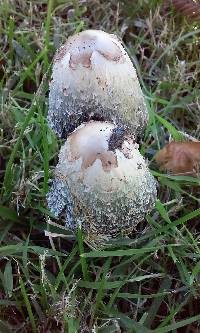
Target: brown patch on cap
point(81, 147)
point(82, 45)
point(80, 58)
point(108, 160)
point(110, 56)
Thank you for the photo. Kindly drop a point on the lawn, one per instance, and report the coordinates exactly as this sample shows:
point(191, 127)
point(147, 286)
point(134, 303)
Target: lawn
point(50, 279)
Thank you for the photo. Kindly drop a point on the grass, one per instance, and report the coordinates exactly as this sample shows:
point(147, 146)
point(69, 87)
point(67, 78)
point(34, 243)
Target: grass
point(50, 280)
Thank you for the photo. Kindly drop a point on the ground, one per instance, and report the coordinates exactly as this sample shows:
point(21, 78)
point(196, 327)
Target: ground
point(50, 280)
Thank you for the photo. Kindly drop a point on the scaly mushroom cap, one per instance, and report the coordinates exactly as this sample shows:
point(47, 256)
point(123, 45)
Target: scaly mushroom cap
point(94, 78)
point(107, 177)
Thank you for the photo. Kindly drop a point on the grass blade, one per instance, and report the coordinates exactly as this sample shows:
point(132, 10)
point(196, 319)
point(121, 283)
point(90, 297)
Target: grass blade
point(8, 278)
point(28, 305)
point(177, 325)
point(81, 251)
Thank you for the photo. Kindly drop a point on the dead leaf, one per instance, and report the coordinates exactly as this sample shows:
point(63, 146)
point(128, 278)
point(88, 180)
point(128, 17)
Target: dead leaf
point(180, 158)
point(188, 8)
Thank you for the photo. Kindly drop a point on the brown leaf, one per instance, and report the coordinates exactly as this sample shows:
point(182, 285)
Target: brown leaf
point(180, 158)
point(188, 8)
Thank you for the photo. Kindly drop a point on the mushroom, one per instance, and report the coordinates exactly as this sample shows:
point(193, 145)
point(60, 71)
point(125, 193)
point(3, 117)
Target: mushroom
point(102, 181)
point(94, 78)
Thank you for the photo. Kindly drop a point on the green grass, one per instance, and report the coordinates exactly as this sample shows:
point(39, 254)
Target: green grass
point(50, 280)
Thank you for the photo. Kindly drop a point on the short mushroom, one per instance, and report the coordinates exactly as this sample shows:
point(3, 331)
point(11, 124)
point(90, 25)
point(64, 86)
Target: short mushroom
point(94, 78)
point(102, 181)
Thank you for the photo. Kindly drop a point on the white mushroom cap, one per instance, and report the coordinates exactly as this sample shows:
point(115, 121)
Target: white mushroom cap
point(108, 178)
point(94, 78)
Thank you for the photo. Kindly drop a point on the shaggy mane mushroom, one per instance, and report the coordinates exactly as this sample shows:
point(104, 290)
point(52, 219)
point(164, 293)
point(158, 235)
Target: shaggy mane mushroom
point(94, 78)
point(111, 191)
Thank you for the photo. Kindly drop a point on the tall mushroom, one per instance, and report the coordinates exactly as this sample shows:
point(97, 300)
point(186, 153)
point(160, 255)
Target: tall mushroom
point(94, 78)
point(102, 181)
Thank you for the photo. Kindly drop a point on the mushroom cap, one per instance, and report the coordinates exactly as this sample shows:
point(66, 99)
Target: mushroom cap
point(94, 78)
point(108, 178)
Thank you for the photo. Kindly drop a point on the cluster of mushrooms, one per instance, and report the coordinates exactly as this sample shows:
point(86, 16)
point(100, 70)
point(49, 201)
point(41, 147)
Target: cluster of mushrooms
point(101, 182)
